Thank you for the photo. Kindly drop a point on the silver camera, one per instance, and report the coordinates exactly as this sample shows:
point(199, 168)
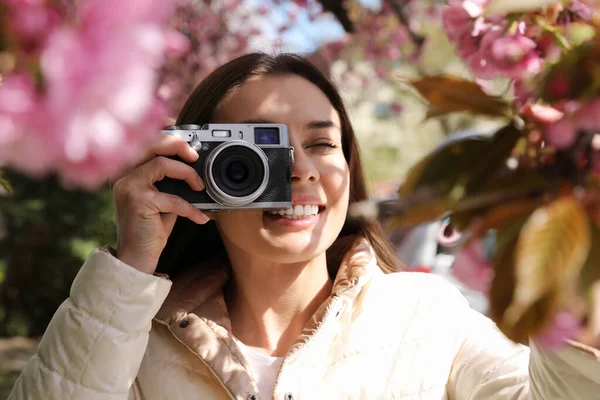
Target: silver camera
point(244, 166)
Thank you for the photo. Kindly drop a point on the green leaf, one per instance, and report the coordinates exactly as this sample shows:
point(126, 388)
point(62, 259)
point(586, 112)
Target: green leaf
point(5, 184)
point(81, 248)
point(495, 7)
point(579, 33)
point(448, 94)
point(552, 248)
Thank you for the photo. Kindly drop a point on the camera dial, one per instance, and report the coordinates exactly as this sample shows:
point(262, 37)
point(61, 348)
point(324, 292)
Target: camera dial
point(190, 127)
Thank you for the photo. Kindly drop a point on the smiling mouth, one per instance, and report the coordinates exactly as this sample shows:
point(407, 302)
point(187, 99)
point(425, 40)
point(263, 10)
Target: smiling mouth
point(297, 211)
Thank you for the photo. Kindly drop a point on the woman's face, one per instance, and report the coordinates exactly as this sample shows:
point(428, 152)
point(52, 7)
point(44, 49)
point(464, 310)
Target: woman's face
point(320, 174)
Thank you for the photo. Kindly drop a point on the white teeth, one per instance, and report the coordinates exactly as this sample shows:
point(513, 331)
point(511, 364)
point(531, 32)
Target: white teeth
point(297, 211)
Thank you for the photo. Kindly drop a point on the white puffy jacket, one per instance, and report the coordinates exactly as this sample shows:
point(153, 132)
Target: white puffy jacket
point(123, 334)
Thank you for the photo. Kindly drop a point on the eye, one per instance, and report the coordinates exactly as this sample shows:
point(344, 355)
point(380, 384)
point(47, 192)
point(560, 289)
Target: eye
point(329, 144)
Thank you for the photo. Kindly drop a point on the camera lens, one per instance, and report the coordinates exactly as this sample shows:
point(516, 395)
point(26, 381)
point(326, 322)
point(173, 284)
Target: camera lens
point(237, 173)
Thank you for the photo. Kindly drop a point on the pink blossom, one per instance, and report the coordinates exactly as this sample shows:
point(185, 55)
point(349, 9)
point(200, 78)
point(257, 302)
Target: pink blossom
point(99, 105)
point(467, 47)
point(116, 13)
point(595, 161)
point(558, 87)
point(456, 21)
point(542, 114)
point(473, 7)
point(33, 20)
point(510, 56)
point(587, 117)
point(461, 18)
point(584, 117)
point(581, 9)
point(523, 91)
point(25, 141)
point(17, 101)
point(177, 43)
point(561, 134)
point(565, 325)
point(473, 269)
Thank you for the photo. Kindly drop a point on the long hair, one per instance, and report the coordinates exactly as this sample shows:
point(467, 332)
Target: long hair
point(190, 243)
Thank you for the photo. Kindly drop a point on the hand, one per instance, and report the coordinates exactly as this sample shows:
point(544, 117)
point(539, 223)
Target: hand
point(145, 217)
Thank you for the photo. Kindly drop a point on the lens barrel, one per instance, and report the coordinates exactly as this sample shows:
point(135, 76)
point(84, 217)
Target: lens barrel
point(236, 173)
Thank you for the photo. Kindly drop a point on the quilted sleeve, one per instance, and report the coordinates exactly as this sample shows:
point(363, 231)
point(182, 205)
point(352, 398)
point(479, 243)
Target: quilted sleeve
point(93, 347)
point(488, 366)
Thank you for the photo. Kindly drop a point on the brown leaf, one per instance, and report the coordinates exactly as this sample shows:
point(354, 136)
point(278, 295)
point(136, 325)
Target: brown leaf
point(419, 214)
point(488, 163)
point(505, 214)
point(444, 165)
point(590, 272)
point(502, 291)
point(551, 250)
point(448, 94)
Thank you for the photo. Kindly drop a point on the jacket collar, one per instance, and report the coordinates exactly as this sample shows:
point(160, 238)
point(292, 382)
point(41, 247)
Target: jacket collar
point(196, 313)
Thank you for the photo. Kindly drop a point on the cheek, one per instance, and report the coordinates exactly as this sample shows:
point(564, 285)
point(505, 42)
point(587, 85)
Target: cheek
point(335, 179)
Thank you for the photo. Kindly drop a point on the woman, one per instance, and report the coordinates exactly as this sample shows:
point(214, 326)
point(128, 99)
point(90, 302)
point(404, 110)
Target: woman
point(258, 306)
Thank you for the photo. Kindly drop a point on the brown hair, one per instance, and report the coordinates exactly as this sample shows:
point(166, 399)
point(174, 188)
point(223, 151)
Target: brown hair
point(189, 243)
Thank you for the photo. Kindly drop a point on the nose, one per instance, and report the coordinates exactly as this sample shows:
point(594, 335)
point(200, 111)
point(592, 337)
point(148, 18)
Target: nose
point(303, 168)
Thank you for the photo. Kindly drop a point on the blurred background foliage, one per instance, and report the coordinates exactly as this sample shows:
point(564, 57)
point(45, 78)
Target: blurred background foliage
point(47, 232)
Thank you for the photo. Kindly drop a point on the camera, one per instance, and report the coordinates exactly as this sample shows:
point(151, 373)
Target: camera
point(244, 166)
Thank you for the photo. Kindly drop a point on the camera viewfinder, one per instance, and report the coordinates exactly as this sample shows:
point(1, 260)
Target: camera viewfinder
point(264, 135)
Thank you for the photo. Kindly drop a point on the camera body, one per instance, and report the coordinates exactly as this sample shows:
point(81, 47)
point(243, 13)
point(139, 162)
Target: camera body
point(244, 166)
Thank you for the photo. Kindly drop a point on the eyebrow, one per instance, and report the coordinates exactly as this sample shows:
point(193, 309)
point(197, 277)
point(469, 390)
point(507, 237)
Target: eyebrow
point(317, 124)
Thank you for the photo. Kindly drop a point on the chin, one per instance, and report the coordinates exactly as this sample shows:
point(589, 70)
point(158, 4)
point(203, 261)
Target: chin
point(294, 248)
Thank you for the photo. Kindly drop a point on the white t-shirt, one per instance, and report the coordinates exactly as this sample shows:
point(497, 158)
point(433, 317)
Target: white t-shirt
point(264, 370)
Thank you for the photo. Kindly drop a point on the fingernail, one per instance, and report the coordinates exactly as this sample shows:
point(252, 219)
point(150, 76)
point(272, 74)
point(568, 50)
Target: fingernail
point(193, 152)
point(204, 218)
point(201, 183)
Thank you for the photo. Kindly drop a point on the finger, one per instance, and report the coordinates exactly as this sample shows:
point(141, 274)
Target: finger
point(169, 121)
point(168, 145)
point(171, 204)
point(161, 167)
point(165, 145)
